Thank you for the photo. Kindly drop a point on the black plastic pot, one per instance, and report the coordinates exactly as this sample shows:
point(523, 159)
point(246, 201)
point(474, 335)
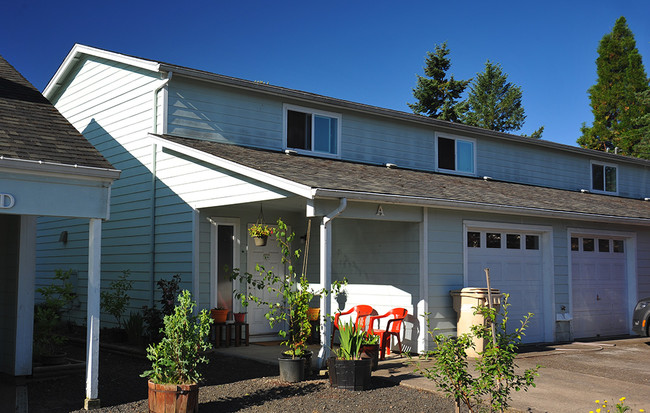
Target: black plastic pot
point(350, 374)
point(307, 357)
point(371, 351)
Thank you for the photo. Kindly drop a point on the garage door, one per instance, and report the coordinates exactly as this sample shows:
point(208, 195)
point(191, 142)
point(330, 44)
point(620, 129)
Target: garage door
point(599, 286)
point(515, 263)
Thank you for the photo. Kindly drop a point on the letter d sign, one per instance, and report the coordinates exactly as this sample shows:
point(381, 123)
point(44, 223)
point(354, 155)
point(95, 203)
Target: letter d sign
point(7, 201)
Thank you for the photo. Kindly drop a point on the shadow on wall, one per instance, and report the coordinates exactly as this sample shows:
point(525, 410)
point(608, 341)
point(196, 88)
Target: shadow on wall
point(127, 237)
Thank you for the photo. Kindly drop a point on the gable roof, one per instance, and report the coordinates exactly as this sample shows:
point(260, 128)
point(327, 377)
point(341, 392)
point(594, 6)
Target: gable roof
point(79, 50)
point(336, 178)
point(33, 130)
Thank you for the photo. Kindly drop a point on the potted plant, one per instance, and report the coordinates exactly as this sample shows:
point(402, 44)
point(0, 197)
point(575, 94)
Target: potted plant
point(219, 315)
point(260, 233)
point(291, 309)
point(370, 349)
point(174, 376)
point(348, 370)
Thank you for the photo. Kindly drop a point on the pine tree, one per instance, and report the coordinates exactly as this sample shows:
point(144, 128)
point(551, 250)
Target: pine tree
point(493, 102)
point(615, 98)
point(437, 96)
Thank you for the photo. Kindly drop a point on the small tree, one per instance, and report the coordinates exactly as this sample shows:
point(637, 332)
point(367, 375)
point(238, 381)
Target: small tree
point(489, 389)
point(493, 102)
point(437, 96)
point(116, 300)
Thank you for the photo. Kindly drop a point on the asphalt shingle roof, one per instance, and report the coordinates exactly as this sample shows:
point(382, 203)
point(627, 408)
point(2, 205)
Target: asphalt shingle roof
point(31, 128)
point(347, 176)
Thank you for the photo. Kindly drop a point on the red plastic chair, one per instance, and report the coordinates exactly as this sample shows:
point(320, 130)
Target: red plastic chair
point(361, 319)
point(393, 328)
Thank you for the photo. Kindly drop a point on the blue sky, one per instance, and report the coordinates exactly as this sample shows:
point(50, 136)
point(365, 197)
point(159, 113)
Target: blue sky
point(363, 51)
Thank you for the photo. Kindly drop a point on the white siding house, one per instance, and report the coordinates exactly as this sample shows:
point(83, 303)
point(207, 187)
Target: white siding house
point(202, 154)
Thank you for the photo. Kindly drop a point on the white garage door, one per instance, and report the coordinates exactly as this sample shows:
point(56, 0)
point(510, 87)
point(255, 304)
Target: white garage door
point(599, 286)
point(515, 263)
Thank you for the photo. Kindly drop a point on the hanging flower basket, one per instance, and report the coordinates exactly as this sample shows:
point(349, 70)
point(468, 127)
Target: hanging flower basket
point(260, 241)
point(260, 233)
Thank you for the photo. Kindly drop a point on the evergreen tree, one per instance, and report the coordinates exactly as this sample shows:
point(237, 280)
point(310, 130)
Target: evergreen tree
point(493, 102)
point(615, 102)
point(437, 96)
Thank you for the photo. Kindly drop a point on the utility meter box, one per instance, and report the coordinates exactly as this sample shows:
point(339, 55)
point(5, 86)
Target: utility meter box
point(465, 302)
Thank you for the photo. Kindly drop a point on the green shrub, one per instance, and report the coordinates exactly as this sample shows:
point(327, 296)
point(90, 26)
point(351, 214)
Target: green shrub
point(116, 300)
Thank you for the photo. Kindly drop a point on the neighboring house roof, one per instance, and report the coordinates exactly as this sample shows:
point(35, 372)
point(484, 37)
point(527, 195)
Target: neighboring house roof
point(32, 129)
point(336, 178)
point(78, 50)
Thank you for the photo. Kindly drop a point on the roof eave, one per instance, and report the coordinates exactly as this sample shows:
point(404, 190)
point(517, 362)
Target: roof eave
point(41, 167)
point(475, 206)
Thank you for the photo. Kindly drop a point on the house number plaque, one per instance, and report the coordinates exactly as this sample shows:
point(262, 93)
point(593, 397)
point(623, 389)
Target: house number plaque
point(7, 201)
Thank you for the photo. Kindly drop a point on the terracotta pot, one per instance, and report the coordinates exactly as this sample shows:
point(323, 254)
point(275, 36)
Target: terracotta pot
point(219, 316)
point(173, 398)
point(240, 317)
point(313, 313)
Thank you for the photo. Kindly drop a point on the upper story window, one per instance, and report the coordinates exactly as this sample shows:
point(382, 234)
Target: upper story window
point(456, 154)
point(312, 131)
point(604, 178)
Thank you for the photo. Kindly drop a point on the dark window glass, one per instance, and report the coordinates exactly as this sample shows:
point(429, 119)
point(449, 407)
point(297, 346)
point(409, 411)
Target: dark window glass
point(532, 242)
point(610, 178)
point(603, 245)
point(298, 130)
point(493, 240)
point(619, 245)
point(446, 154)
point(575, 244)
point(474, 239)
point(587, 244)
point(513, 241)
point(597, 177)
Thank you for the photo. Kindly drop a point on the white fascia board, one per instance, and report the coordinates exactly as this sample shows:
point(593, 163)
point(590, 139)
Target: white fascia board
point(51, 168)
point(475, 206)
point(75, 54)
point(273, 180)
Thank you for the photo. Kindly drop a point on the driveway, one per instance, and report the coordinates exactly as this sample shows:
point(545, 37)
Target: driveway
point(573, 376)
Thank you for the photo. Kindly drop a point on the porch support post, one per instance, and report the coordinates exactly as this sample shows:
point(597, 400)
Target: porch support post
point(25, 295)
point(326, 279)
point(92, 336)
point(423, 304)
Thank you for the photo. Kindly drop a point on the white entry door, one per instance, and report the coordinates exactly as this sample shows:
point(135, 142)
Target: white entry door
point(515, 262)
point(269, 256)
point(599, 286)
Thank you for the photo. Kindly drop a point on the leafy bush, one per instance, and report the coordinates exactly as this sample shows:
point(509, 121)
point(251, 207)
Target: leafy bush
point(489, 389)
point(153, 317)
point(116, 300)
point(176, 358)
point(58, 299)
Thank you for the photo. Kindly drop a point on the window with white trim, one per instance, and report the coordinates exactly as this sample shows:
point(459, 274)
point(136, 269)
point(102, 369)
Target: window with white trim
point(604, 178)
point(311, 130)
point(455, 154)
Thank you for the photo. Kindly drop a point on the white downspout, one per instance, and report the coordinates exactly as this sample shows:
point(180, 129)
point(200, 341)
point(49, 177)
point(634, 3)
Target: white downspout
point(326, 279)
point(155, 101)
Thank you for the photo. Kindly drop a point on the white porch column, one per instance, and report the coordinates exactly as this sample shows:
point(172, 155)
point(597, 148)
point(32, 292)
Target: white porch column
point(25, 296)
point(92, 337)
point(423, 304)
point(326, 280)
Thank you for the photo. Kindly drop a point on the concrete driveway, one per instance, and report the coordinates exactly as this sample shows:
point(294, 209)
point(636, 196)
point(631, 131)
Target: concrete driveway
point(573, 376)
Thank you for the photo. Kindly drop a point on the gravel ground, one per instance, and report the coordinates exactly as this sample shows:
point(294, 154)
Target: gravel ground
point(231, 385)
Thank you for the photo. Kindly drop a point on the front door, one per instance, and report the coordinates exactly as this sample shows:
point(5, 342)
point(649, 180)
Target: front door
point(269, 256)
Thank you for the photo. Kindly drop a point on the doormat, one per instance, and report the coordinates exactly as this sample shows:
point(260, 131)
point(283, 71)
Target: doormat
point(267, 343)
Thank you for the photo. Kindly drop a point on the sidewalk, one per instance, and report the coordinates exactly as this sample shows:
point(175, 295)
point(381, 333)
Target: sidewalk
point(573, 375)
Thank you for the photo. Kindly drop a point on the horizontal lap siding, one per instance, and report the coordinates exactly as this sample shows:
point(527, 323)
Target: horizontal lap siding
point(112, 105)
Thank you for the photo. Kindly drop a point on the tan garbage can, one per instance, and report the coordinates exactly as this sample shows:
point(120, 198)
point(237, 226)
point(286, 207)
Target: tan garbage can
point(465, 302)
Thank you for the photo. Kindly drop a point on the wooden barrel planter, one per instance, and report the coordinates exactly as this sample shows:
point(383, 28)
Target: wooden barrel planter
point(173, 398)
point(350, 374)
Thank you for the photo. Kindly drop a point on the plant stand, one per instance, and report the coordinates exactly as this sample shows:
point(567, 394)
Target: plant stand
point(218, 328)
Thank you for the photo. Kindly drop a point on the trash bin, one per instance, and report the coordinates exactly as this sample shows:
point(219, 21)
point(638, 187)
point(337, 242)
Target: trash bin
point(464, 303)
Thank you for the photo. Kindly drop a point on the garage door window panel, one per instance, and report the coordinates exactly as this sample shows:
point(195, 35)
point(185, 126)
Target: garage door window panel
point(513, 241)
point(493, 240)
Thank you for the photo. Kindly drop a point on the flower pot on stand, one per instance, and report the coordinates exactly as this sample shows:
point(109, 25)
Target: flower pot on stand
point(371, 351)
point(219, 315)
point(240, 318)
point(173, 398)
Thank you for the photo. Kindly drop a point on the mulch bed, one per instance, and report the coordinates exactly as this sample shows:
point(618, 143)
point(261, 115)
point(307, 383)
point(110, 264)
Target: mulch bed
point(231, 385)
